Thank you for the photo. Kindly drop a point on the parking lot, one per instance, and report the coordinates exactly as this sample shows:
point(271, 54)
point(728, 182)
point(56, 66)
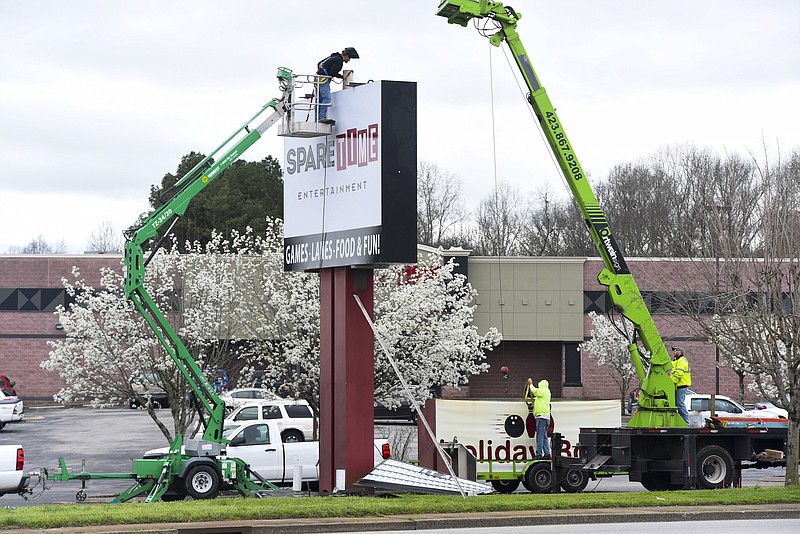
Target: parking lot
point(107, 439)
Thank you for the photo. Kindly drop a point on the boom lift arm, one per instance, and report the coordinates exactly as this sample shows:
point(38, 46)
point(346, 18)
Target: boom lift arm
point(657, 402)
point(136, 265)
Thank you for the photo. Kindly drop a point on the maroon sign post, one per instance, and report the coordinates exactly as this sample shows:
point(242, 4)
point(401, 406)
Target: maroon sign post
point(346, 376)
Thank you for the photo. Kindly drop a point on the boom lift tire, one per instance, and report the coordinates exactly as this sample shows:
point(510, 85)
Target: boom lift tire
point(574, 480)
point(202, 482)
point(714, 468)
point(539, 477)
point(505, 486)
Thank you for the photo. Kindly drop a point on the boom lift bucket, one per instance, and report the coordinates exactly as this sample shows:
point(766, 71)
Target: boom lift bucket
point(301, 119)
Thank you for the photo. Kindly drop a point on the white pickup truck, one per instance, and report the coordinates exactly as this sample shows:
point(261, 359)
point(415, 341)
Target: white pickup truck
point(259, 444)
point(12, 477)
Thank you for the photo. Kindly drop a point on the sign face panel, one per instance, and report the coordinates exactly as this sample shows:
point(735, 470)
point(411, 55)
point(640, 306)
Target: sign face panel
point(350, 197)
point(498, 430)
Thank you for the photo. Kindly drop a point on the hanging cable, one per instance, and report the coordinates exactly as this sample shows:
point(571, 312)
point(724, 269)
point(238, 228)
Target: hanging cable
point(504, 367)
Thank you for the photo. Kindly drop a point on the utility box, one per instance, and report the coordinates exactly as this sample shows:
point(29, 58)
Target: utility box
point(696, 420)
point(462, 461)
point(199, 447)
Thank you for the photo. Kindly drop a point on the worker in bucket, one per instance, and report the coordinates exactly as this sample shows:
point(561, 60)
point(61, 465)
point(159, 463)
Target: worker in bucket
point(541, 410)
point(328, 68)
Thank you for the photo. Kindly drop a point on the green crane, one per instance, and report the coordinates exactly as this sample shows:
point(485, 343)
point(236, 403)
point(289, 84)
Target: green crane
point(657, 399)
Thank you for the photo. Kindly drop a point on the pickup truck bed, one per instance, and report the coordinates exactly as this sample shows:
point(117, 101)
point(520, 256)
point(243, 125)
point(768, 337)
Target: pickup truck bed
point(12, 476)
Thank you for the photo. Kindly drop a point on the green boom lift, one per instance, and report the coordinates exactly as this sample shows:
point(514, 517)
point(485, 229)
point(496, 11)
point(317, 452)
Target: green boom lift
point(196, 468)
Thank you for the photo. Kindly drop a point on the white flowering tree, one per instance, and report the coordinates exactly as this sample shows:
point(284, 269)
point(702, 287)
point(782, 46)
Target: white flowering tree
point(110, 356)
point(609, 348)
point(763, 344)
point(231, 297)
point(426, 319)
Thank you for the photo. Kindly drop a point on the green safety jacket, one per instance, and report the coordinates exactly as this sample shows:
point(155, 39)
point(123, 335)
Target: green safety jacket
point(541, 398)
point(680, 373)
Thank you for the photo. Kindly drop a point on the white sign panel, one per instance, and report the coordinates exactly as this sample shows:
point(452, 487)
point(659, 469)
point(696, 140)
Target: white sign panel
point(497, 430)
point(333, 183)
point(350, 197)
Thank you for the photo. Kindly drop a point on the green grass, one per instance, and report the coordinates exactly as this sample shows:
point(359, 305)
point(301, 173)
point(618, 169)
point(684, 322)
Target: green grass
point(224, 509)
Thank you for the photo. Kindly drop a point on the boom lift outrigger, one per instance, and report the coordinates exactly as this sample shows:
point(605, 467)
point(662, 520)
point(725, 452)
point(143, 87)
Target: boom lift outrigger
point(657, 407)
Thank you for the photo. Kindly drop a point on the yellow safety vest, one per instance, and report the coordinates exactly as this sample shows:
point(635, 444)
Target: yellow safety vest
point(680, 373)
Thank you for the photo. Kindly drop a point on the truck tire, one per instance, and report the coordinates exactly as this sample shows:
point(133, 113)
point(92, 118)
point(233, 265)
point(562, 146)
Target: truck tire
point(575, 480)
point(292, 436)
point(539, 478)
point(201, 482)
point(714, 468)
point(505, 486)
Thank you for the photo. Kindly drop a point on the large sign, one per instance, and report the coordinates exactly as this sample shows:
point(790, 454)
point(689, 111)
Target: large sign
point(350, 197)
point(497, 430)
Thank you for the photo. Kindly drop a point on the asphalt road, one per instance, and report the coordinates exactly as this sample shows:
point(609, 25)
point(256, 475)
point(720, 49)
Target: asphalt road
point(773, 526)
point(105, 441)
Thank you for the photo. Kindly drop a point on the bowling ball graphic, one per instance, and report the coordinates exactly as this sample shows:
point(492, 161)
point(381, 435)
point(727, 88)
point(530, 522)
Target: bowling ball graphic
point(514, 426)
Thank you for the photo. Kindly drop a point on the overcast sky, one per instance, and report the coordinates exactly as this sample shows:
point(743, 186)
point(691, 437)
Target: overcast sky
point(99, 99)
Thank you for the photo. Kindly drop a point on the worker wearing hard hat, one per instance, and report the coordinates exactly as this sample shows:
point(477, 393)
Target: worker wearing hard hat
point(328, 68)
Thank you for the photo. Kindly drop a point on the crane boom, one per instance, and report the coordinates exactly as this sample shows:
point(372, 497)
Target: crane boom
point(657, 406)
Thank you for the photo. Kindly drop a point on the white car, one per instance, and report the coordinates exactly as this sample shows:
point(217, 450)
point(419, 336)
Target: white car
point(294, 418)
point(727, 407)
point(11, 408)
point(237, 397)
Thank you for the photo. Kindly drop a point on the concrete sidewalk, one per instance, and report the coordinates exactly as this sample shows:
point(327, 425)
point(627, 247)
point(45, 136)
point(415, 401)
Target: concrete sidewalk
point(451, 521)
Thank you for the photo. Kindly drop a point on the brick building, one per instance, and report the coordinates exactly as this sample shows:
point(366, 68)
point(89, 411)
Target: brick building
point(30, 291)
point(540, 304)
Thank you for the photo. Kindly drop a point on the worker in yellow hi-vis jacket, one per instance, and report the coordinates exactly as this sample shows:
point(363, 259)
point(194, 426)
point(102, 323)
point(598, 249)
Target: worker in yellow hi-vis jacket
point(682, 378)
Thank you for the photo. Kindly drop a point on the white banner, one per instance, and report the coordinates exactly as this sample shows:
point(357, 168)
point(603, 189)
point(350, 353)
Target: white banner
point(497, 430)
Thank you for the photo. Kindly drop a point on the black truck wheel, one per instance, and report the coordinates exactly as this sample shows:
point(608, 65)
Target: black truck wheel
point(292, 436)
point(575, 480)
point(202, 482)
point(714, 468)
point(505, 486)
point(539, 478)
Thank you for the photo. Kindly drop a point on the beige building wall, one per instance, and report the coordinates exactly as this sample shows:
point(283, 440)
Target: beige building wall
point(529, 298)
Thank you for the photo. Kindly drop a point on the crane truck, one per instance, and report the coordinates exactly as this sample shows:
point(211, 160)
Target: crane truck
point(196, 467)
point(656, 447)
